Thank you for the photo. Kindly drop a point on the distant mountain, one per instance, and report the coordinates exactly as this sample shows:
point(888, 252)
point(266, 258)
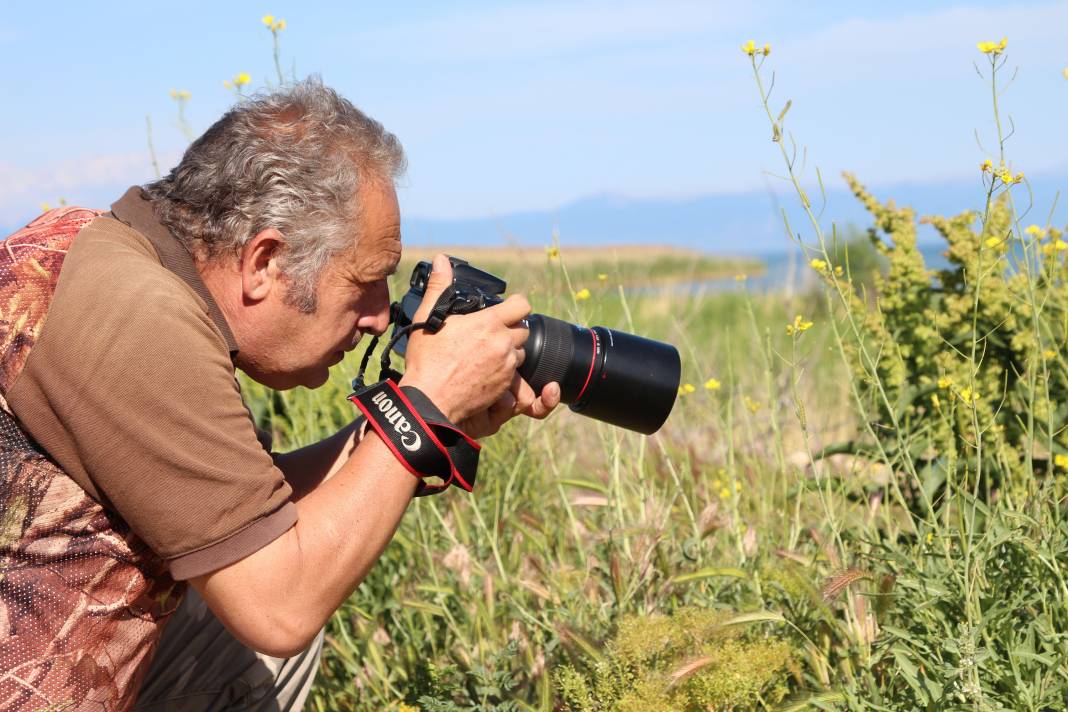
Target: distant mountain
point(738, 224)
point(747, 223)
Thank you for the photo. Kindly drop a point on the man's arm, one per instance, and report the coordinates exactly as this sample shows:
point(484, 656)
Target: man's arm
point(278, 598)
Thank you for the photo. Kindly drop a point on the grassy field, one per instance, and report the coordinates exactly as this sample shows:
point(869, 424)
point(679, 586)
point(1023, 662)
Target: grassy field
point(856, 503)
point(590, 267)
point(575, 525)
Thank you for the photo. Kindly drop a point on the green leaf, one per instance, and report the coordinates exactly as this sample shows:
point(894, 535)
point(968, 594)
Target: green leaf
point(424, 607)
point(755, 617)
point(710, 572)
point(584, 484)
point(810, 701)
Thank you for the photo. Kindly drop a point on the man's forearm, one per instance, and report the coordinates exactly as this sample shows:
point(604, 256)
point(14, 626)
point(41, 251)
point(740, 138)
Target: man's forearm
point(280, 596)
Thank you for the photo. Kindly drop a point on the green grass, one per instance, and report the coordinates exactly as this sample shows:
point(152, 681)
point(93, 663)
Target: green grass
point(862, 515)
point(576, 524)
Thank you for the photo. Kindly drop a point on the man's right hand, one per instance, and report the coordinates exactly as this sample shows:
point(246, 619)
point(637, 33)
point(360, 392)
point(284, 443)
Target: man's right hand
point(470, 363)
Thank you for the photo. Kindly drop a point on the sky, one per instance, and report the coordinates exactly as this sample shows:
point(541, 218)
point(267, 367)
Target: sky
point(511, 106)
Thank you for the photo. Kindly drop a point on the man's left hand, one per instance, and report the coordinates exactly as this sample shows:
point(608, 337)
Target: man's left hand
point(517, 400)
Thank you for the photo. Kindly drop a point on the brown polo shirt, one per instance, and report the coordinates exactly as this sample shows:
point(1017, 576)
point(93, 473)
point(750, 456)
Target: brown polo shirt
point(130, 389)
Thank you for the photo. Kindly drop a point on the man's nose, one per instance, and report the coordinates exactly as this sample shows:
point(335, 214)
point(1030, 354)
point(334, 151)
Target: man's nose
point(378, 321)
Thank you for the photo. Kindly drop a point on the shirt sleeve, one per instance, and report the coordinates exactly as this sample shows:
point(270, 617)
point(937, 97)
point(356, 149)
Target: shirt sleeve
point(130, 388)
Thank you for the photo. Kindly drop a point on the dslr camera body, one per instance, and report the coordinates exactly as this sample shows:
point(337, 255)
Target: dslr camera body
point(610, 375)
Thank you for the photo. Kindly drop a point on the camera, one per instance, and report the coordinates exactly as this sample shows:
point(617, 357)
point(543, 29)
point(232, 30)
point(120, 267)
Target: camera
point(619, 378)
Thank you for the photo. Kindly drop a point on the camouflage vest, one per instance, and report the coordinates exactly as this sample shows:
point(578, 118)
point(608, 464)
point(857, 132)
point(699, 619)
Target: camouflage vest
point(82, 599)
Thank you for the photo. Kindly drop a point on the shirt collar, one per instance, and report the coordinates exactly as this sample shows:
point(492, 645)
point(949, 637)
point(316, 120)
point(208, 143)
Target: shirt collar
point(136, 211)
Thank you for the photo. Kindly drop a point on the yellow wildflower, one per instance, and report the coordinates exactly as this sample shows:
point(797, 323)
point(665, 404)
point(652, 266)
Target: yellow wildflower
point(686, 389)
point(716, 484)
point(1061, 461)
point(1018, 178)
point(278, 26)
point(741, 277)
point(242, 79)
point(751, 404)
point(582, 294)
point(749, 48)
point(712, 384)
point(798, 326)
point(1035, 231)
point(724, 493)
point(987, 166)
point(1060, 245)
point(553, 253)
point(968, 395)
point(1049, 354)
point(818, 265)
point(838, 270)
point(992, 241)
point(945, 382)
point(993, 47)
point(767, 49)
point(1006, 177)
point(930, 537)
point(268, 20)
point(602, 277)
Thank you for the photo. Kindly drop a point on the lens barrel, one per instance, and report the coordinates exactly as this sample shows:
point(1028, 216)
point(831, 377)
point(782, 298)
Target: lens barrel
point(619, 378)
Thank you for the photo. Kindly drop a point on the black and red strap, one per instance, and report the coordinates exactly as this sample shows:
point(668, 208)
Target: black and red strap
point(420, 436)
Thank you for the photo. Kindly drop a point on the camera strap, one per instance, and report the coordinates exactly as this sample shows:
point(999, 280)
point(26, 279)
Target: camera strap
point(420, 436)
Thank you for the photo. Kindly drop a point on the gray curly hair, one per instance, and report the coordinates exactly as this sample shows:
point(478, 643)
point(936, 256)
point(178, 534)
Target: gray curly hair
point(291, 160)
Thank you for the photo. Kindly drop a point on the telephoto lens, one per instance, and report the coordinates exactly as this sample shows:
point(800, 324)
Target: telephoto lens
point(619, 378)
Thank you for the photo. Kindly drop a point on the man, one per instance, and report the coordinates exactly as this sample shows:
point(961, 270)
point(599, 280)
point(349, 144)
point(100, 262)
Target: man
point(130, 465)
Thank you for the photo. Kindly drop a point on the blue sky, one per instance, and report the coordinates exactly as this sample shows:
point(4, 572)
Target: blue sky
point(517, 106)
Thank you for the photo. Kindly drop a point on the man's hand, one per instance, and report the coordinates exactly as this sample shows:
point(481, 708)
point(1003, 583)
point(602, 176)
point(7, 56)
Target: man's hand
point(519, 399)
point(468, 368)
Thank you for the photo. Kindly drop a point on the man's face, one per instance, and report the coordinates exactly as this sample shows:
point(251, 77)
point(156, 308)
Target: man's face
point(353, 299)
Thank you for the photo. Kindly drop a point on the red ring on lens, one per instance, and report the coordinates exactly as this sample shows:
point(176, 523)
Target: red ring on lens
point(593, 360)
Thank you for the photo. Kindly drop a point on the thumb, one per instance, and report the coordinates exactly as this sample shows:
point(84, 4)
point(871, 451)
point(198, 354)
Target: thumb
point(440, 278)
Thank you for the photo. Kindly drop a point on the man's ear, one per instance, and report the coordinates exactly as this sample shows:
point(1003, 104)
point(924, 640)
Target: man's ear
point(260, 265)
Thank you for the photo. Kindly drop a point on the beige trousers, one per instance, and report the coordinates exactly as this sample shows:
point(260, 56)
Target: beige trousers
point(200, 667)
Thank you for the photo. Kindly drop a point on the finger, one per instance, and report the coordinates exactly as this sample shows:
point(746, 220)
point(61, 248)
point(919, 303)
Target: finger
point(519, 333)
point(524, 395)
point(440, 278)
point(512, 310)
point(545, 403)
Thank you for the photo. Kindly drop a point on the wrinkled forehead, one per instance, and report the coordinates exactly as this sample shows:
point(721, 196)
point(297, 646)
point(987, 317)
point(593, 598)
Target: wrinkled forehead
point(377, 236)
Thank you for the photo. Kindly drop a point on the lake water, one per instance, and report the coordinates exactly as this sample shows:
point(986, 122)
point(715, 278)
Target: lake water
point(786, 272)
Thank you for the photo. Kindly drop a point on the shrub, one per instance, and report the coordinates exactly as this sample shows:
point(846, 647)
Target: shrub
point(693, 660)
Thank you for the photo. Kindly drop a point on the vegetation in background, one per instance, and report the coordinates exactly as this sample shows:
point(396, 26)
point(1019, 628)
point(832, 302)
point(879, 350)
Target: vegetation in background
point(855, 504)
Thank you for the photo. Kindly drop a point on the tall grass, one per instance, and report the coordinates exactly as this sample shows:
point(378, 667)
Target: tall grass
point(856, 503)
